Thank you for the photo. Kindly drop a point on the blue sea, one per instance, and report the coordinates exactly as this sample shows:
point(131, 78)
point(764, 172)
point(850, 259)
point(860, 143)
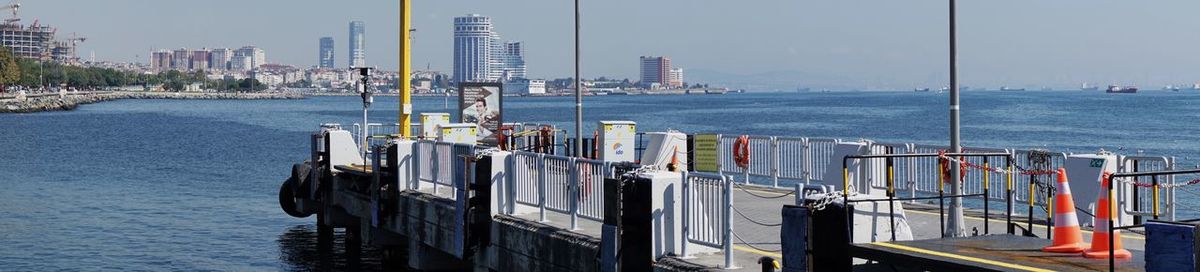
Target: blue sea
point(191, 185)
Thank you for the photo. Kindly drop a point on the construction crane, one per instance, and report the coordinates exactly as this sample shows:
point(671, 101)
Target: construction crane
point(14, 6)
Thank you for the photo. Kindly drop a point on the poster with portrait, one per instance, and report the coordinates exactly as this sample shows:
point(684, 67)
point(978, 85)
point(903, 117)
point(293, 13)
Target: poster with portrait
point(480, 104)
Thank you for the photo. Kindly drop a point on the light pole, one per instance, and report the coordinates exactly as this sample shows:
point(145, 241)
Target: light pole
point(578, 91)
point(956, 224)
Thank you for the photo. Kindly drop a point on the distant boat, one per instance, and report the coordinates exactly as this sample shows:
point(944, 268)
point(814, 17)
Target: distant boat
point(802, 90)
point(1196, 86)
point(1007, 89)
point(1119, 89)
point(714, 91)
point(922, 90)
point(1085, 87)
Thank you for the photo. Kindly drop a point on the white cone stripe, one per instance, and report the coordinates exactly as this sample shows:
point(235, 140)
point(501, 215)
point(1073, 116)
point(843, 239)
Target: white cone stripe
point(1062, 187)
point(1066, 220)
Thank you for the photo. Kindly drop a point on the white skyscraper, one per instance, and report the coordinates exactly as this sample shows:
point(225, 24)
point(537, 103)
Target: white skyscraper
point(473, 38)
point(358, 44)
point(257, 56)
point(511, 61)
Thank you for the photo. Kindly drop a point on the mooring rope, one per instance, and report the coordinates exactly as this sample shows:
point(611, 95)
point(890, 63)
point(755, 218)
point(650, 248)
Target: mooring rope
point(739, 212)
point(739, 186)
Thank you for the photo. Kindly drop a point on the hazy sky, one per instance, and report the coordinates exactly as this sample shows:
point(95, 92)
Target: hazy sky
point(869, 43)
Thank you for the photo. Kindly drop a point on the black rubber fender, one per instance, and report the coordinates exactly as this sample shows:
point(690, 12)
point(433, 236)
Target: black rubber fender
point(301, 172)
point(287, 198)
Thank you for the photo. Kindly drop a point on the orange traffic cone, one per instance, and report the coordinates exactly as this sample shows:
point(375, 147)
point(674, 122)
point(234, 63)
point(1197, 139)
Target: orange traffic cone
point(674, 166)
point(1100, 235)
point(1067, 238)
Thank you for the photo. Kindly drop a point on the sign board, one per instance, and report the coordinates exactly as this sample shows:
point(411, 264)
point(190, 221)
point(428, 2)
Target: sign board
point(480, 104)
point(616, 142)
point(706, 154)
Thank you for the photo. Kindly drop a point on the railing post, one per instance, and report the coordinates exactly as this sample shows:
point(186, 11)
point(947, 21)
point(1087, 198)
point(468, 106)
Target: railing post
point(686, 224)
point(573, 191)
point(510, 181)
point(774, 162)
point(911, 174)
point(806, 166)
point(435, 167)
point(542, 187)
point(728, 239)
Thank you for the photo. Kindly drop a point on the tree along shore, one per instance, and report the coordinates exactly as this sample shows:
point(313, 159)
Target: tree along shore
point(69, 101)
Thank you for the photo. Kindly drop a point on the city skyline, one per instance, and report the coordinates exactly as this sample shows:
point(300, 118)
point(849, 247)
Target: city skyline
point(906, 47)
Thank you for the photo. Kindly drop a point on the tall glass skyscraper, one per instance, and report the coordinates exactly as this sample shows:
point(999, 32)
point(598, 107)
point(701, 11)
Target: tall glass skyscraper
point(325, 53)
point(473, 48)
point(358, 44)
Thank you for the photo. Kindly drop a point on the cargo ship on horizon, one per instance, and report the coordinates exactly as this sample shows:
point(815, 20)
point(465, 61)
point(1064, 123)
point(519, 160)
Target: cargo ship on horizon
point(1119, 89)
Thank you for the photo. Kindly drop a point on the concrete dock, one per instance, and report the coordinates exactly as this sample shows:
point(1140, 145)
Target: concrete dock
point(452, 206)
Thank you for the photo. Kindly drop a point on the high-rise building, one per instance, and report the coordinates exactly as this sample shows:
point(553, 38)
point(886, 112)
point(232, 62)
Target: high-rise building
point(200, 59)
point(218, 59)
point(325, 53)
point(676, 77)
point(160, 60)
point(655, 71)
point(358, 44)
point(473, 38)
point(257, 56)
point(181, 59)
point(511, 61)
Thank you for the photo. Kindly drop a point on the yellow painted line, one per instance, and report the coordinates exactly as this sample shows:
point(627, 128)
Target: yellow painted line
point(961, 257)
point(1035, 225)
point(759, 252)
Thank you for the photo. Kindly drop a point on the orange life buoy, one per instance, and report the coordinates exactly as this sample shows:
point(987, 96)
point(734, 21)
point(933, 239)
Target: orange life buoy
point(741, 151)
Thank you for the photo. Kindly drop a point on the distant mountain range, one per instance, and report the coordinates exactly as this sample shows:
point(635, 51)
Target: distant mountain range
point(767, 81)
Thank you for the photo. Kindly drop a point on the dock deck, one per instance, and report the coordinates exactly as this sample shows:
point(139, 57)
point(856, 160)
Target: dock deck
point(985, 253)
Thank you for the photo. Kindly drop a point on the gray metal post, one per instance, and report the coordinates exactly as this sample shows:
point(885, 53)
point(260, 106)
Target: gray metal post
point(807, 166)
point(578, 91)
point(955, 225)
point(542, 187)
point(686, 225)
point(436, 167)
point(573, 205)
point(728, 239)
point(774, 162)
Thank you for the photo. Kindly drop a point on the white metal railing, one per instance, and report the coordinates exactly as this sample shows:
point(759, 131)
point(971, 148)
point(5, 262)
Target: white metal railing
point(1142, 205)
point(775, 161)
point(707, 205)
point(566, 185)
point(440, 163)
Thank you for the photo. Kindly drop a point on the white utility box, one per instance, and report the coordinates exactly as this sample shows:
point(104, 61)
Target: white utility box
point(432, 122)
point(663, 147)
point(1083, 173)
point(617, 140)
point(861, 172)
point(461, 133)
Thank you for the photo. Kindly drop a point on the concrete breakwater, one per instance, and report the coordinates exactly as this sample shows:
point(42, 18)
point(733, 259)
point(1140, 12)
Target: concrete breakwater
point(56, 102)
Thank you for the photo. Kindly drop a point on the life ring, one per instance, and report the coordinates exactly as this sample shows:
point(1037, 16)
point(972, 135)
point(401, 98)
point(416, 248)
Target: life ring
point(741, 151)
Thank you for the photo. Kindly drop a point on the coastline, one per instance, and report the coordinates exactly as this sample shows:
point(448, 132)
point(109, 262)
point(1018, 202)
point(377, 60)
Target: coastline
point(69, 101)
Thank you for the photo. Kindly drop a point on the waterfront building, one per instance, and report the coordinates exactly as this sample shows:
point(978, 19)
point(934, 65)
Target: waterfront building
point(511, 62)
point(160, 60)
point(325, 53)
point(358, 44)
point(473, 49)
point(181, 59)
point(241, 63)
point(199, 59)
point(218, 59)
point(525, 86)
point(257, 56)
point(676, 77)
point(655, 71)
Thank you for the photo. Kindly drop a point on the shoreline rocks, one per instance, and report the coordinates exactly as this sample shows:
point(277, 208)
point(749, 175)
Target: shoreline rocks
point(55, 102)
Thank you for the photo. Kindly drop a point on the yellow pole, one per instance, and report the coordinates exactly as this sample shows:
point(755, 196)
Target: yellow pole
point(405, 69)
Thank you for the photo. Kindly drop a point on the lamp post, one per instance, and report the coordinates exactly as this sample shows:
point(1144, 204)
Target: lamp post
point(578, 91)
point(956, 225)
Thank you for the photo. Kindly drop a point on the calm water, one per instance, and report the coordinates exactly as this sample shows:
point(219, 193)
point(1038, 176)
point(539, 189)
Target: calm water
point(191, 185)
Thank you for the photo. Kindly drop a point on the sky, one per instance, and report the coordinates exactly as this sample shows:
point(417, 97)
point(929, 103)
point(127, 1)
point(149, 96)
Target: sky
point(862, 44)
